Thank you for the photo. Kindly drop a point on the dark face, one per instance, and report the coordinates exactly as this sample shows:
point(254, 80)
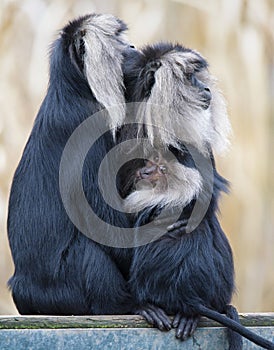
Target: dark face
point(202, 89)
point(140, 69)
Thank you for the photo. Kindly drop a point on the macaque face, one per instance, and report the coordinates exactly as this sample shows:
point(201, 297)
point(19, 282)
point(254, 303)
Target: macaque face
point(162, 180)
point(181, 98)
point(153, 175)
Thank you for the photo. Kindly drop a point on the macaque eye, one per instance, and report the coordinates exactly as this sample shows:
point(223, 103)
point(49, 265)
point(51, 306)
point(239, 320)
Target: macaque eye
point(163, 169)
point(119, 31)
point(189, 76)
point(192, 79)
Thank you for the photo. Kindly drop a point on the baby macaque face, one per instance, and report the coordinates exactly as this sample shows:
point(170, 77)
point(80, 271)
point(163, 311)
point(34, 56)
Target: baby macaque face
point(162, 180)
point(153, 174)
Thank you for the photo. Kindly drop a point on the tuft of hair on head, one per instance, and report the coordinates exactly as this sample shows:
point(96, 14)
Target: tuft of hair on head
point(96, 43)
point(173, 110)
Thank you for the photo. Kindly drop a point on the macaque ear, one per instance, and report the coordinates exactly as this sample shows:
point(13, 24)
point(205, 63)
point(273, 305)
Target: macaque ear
point(77, 50)
point(149, 75)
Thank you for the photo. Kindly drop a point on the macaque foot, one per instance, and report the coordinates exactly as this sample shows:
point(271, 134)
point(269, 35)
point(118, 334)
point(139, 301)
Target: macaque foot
point(185, 325)
point(155, 316)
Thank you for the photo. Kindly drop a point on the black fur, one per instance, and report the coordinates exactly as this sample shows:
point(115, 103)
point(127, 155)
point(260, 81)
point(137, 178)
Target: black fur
point(186, 274)
point(58, 270)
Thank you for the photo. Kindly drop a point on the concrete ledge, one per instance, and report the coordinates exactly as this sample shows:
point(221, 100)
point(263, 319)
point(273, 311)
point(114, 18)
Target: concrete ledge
point(117, 333)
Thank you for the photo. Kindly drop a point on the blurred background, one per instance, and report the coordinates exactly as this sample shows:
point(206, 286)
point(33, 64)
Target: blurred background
point(237, 38)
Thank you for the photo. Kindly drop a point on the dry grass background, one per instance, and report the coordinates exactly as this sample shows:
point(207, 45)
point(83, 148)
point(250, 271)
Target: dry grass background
point(237, 38)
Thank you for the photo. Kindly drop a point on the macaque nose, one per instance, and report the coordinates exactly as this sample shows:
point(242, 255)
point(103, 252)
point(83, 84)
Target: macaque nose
point(148, 171)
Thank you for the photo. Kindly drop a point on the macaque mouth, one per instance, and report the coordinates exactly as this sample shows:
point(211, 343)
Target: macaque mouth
point(151, 175)
point(143, 184)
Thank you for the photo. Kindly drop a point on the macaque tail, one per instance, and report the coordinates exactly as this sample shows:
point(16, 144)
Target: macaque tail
point(237, 327)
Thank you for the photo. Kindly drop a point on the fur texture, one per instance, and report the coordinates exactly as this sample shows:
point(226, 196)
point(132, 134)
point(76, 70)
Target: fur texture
point(58, 270)
point(186, 273)
point(162, 77)
point(183, 183)
point(104, 42)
